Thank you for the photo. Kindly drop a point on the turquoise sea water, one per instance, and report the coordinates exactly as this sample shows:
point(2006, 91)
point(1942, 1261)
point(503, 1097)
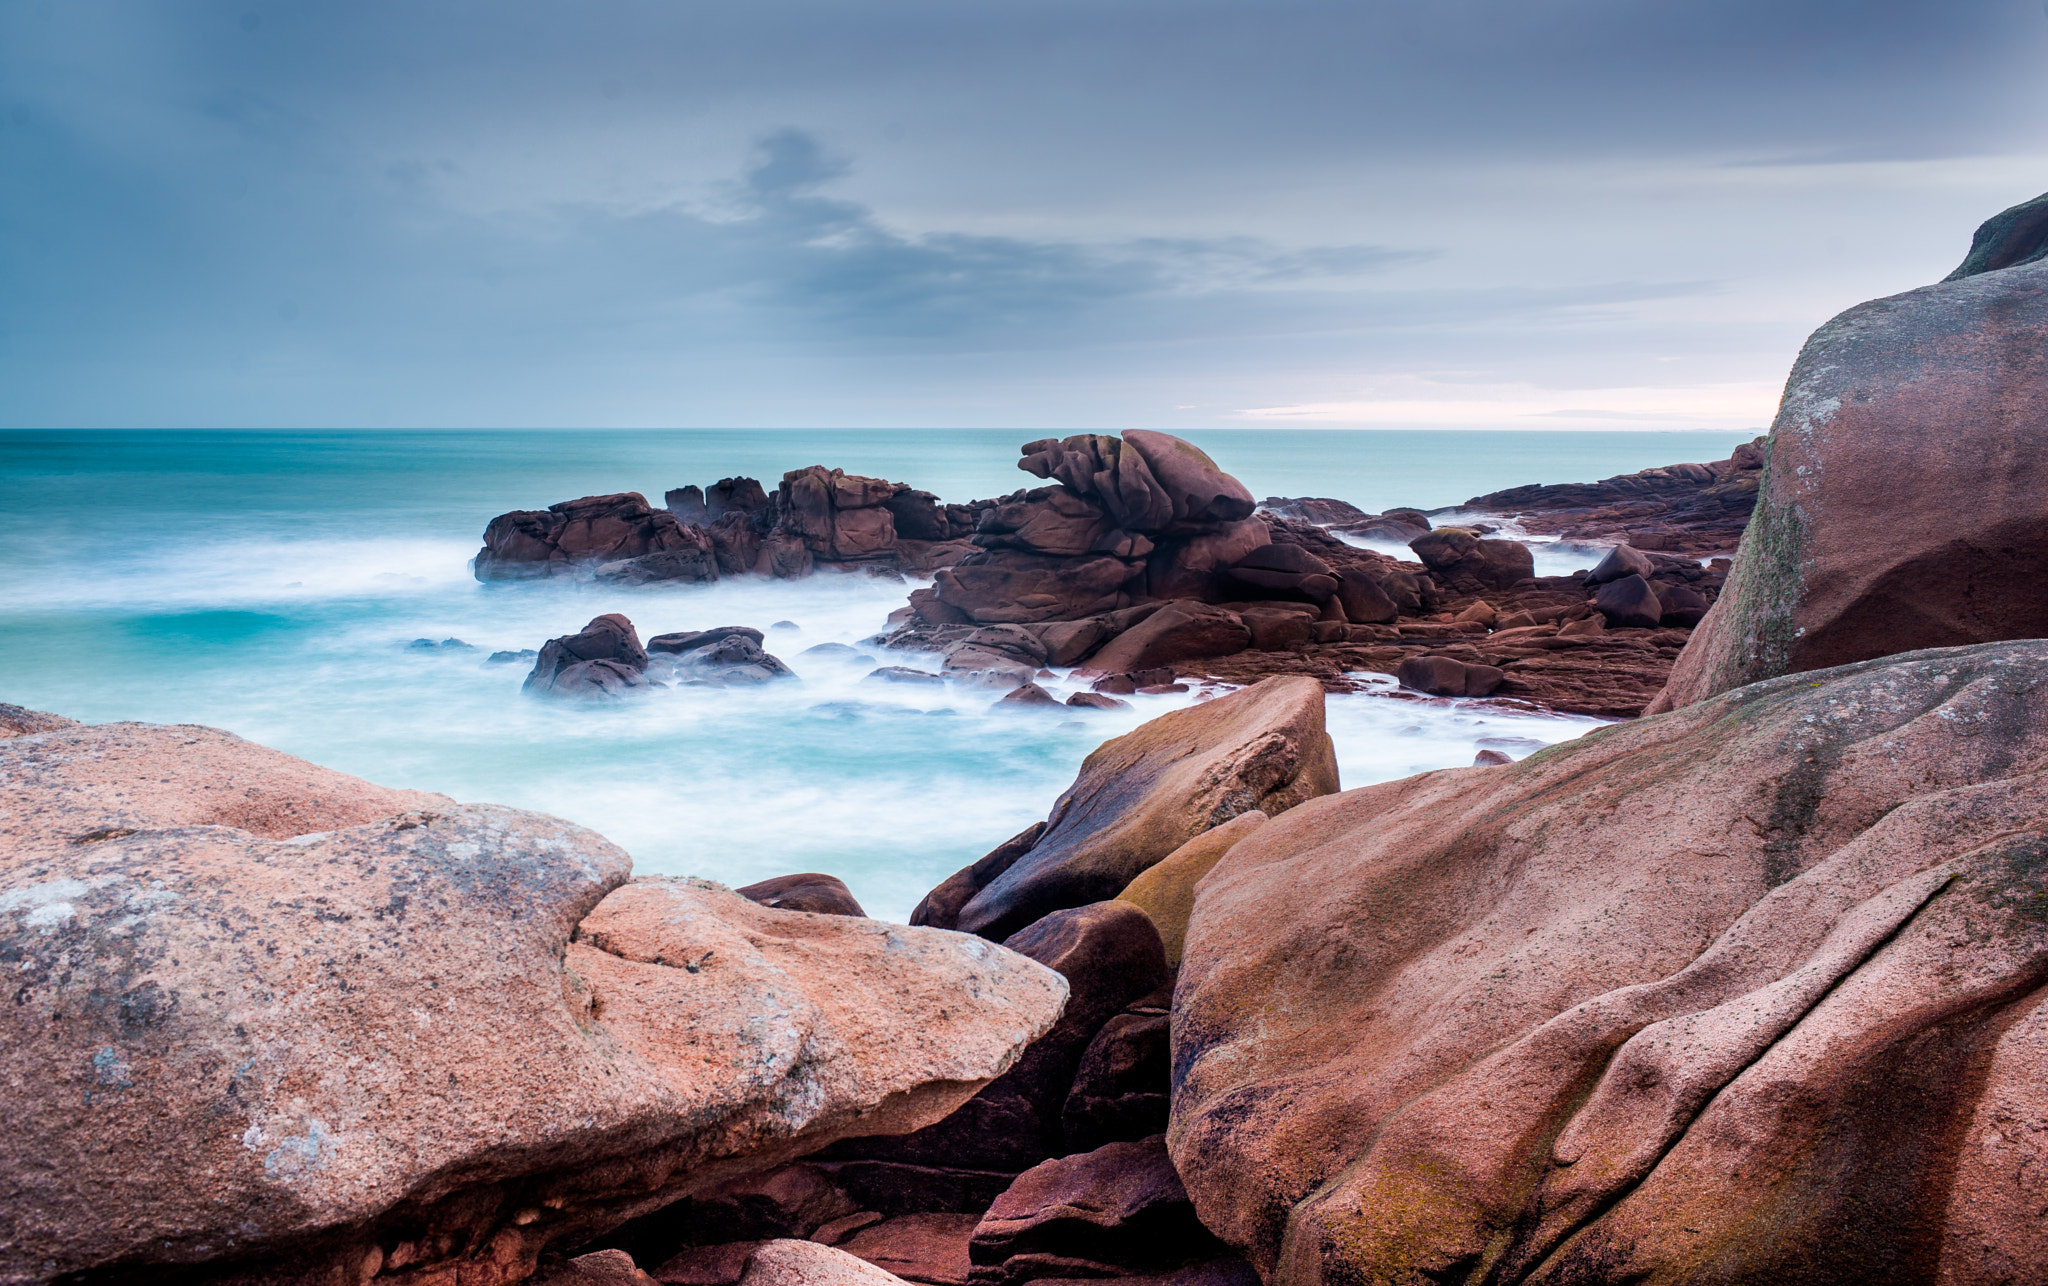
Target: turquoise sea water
point(270, 583)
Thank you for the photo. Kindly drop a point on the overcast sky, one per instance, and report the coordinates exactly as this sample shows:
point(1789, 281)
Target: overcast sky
point(1041, 213)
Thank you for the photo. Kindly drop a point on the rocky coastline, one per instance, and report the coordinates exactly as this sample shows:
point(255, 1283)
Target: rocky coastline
point(1752, 988)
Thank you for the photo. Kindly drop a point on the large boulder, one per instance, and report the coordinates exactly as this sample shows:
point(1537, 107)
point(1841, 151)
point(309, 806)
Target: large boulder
point(1144, 794)
point(1748, 992)
point(1200, 492)
point(1165, 890)
point(839, 516)
point(1109, 472)
point(1901, 505)
point(1012, 586)
point(274, 1024)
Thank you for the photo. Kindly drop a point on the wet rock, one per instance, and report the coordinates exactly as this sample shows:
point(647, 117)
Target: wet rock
point(604, 659)
point(732, 660)
point(579, 533)
point(511, 658)
point(1490, 759)
point(903, 674)
point(520, 1090)
point(1120, 1207)
point(1620, 561)
point(1445, 677)
point(1612, 1033)
point(1096, 701)
point(1142, 795)
point(1467, 563)
point(1165, 891)
point(811, 891)
point(1629, 603)
point(1692, 509)
point(1180, 631)
point(687, 504)
point(685, 640)
point(1030, 695)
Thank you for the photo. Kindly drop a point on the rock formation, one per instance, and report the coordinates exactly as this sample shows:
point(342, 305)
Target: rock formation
point(1907, 464)
point(274, 1024)
point(1752, 991)
point(1698, 510)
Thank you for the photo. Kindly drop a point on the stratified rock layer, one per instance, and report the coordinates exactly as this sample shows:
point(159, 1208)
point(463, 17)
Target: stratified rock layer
point(288, 1026)
point(1902, 505)
point(1748, 992)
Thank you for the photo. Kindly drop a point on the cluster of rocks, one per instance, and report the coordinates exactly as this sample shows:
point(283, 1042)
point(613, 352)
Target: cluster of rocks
point(1699, 510)
point(816, 517)
point(606, 660)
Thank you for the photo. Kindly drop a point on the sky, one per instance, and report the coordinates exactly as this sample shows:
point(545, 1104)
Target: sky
point(979, 213)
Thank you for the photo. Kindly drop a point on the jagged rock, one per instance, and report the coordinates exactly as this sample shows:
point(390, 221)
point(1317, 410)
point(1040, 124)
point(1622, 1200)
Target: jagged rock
point(273, 1024)
point(1743, 992)
point(687, 504)
point(1693, 509)
point(1142, 795)
point(810, 891)
point(1444, 676)
point(1901, 511)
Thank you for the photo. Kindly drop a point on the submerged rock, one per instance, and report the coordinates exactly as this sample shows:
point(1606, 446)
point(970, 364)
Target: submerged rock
point(274, 1024)
point(1744, 992)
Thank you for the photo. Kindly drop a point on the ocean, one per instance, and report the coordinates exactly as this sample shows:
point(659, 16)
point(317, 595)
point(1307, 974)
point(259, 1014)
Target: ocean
point(275, 584)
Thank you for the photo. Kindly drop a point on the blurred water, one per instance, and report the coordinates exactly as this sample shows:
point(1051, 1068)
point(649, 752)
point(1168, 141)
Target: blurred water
point(272, 584)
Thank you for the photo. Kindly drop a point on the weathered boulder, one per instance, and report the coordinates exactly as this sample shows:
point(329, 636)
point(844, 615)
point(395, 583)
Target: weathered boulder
point(1104, 1213)
point(274, 1024)
point(1046, 520)
point(1201, 494)
point(1192, 566)
point(599, 1268)
point(1901, 506)
point(839, 515)
point(1142, 795)
point(1741, 993)
point(1166, 890)
point(1027, 696)
point(1180, 631)
point(1110, 955)
point(810, 891)
point(1467, 563)
point(1364, 600)
point(1445, 676)
point(1629, 603)
point(1109, 472)
point(940, 908)
point(924, 1247)
point(604, 659)
point(685, 640)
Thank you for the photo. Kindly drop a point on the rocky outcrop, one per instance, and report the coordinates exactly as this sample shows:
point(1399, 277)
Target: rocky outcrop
point(1698, 510)
point(604, 660)
point(1141, 796)
point(275, 1024)
point(1901, 508)
point(1751, 991)
point(587, 533)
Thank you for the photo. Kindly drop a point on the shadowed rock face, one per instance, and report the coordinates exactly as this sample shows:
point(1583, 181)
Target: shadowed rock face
point(1755, 991)
point(273, 1024)
point(1144, 794)
point(1901, 508)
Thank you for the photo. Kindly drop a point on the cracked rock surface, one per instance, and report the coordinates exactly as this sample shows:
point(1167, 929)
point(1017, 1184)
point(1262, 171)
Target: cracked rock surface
point(1753, 991)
